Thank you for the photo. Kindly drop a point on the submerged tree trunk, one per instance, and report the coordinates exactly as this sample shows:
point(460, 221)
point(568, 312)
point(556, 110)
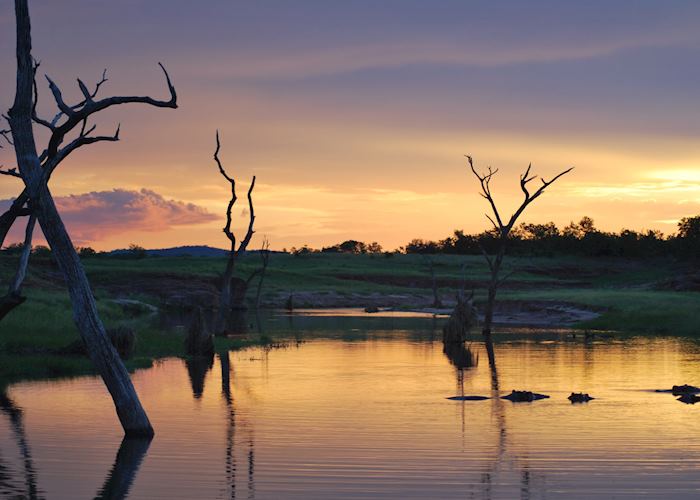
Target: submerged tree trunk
point(105, 358)
point(437, 303)
point(225, 294)
point(492, 290)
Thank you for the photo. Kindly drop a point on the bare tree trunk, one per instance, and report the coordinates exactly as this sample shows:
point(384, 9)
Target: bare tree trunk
point(492, 290)
point(225, 295)
point(259, 290)
point(105, 358)
point(9, 217)
point(14, 294)
point(437, 303)
point(265, 256)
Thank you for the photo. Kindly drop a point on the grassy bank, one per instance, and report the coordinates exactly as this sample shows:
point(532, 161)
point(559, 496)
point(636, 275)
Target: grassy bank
point(33, 336)
point(626, 291)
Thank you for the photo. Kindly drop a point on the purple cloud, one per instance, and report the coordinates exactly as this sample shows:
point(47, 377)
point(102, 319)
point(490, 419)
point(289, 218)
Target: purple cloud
point(93, 216)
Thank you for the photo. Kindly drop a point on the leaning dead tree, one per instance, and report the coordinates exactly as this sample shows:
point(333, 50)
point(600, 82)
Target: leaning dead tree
point(69, 130)
point(226, 299)
point(502, 229)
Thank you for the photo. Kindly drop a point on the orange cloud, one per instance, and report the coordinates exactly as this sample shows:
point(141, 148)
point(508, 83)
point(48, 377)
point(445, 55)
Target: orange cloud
point(91, 217)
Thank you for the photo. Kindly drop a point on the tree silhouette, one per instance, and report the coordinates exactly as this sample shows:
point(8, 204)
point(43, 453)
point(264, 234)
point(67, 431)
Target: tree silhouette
point(502, 229)
point(69, 130)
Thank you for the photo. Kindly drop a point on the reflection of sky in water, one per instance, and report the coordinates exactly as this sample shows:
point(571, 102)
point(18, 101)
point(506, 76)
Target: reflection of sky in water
point(331, 418)
point(352, 312)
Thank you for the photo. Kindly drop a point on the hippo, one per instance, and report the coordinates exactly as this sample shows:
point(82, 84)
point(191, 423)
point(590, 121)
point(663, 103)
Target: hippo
point(524, 396)
point(678, 390)
point(579, 397)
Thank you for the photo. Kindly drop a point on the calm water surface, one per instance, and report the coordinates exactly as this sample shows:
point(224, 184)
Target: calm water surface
point(345, 418)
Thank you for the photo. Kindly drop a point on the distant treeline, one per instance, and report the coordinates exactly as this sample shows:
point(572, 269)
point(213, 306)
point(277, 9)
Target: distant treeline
point(577, 238)
point(581, 238)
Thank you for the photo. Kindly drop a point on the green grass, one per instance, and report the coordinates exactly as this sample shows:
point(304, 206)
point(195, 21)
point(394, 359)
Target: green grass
point(33, 333)
point(631, 310)
point(30, 335)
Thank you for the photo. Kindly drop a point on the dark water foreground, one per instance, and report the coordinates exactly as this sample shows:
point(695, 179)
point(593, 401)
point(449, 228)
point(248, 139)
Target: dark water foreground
point(347, 418)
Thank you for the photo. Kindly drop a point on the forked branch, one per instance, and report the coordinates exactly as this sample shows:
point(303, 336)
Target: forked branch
point(525, 179)
point(74, 115)
point(228, 231)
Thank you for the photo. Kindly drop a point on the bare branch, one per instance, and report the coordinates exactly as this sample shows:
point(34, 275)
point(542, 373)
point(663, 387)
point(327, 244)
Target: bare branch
point(530, 198)
point(7, 135)
point(8, 218)
point(11, 172)
point(218, 161)
point(492, 222)
point(81, 103)
point(16, 285)
point(58, 97)
point(504, 279)
point(227, 228)
point(85, 91)
point(35, 90)
point(249, 233)
point(76, 114)
point(82, 140)
point(485, 181)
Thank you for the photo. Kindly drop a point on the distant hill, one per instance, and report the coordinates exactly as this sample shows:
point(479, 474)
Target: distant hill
point(192, 251)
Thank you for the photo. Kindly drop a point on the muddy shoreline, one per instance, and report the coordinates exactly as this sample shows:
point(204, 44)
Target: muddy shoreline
point(535, 313)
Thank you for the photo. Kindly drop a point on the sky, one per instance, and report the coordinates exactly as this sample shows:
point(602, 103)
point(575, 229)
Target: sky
point(356, 116)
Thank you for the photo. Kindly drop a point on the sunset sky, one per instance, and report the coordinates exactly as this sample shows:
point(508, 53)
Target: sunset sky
point(356, 116)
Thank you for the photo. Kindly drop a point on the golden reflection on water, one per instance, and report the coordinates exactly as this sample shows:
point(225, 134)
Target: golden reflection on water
point(333, 418)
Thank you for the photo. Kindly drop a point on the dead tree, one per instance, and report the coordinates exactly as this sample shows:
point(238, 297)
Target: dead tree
point(265, 258)
point(35, 169)
point(502, 229)
point(437, 303)
point(225, 300)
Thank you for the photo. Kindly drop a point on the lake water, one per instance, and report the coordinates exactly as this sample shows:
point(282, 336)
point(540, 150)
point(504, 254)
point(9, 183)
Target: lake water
point(356, 408)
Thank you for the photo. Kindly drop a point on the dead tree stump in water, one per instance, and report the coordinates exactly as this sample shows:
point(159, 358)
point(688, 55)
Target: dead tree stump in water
point(463, 317)
point(199, 341)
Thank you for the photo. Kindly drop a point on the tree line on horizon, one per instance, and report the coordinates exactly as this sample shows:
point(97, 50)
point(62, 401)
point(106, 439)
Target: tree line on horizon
point(577, 238)
point(543, 239)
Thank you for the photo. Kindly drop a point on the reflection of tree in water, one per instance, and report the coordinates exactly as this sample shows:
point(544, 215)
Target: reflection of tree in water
point(231, 466)
point(463, 359)
point(197, 369)
point(14, 413)
point(126, 465)
point(117, 484)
